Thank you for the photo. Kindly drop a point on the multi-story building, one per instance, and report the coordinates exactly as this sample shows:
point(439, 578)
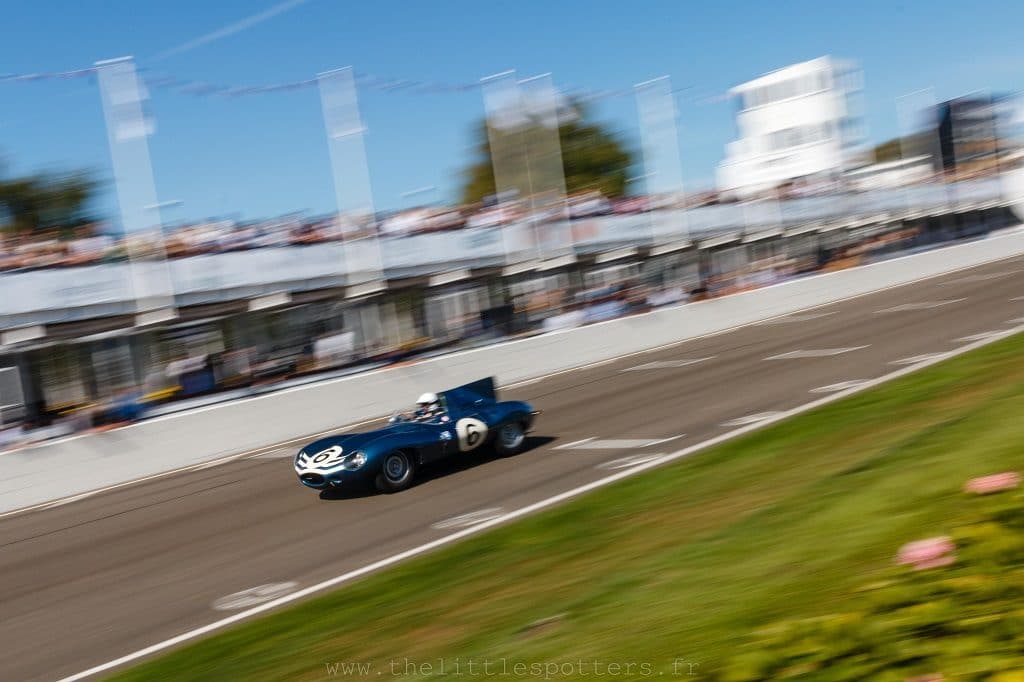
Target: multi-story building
point(796, 125)
point(970, 131)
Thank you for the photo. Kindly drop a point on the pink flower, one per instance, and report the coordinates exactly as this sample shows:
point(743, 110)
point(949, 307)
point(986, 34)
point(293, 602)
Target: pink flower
point(929, 553)
point(934, 677)
point(995, 483)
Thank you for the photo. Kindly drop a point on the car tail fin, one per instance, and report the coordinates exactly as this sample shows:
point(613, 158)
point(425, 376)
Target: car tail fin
point(472, 393)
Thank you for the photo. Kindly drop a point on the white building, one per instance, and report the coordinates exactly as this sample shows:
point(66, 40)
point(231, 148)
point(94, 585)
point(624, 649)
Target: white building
point(796, 124)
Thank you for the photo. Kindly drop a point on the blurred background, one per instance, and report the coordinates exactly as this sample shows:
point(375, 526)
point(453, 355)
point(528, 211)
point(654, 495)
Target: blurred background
point(210, 219)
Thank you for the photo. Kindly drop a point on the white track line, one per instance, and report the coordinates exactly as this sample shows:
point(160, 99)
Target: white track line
point(630, 461)
point(610, 444)
point(977, 337)
point(518, 513)
point(594, 443)
point(751, 419)
point(666, 364)
point(816, 353)
point(575, 443)
point(841, 386)
point(275, 454)
point(926, 305)
point(253, 596)
point(796, 317)
point(981, 278)
point(918, 359)
point(469, 519)
point(665, 440)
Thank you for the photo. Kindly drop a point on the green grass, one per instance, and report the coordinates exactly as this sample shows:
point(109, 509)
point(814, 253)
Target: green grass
point(678, 563)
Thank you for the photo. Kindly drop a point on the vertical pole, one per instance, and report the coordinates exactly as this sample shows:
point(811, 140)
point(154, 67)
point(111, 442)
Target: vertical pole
point(128, 128)
point(361, 254)
point(663, 171)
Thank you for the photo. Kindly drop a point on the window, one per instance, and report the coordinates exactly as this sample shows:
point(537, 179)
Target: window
point(797, 136)
point(786, 89)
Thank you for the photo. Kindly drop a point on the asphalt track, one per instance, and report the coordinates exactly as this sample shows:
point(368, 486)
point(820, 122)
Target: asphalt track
point(89, 581)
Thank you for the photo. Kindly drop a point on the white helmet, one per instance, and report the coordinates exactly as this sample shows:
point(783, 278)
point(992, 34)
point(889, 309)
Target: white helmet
point(427, 399)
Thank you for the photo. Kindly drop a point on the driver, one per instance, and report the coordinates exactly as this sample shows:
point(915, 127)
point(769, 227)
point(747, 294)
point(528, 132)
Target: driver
point(428, 407)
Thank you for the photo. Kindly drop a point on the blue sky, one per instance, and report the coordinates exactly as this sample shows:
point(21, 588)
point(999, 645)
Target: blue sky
point(266, 154)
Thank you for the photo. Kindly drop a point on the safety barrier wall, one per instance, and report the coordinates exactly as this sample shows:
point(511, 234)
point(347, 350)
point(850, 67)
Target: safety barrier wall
point(93, 461)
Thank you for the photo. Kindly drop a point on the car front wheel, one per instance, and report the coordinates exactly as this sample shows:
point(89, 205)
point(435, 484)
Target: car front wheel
point(509, 439)
point(396, 472)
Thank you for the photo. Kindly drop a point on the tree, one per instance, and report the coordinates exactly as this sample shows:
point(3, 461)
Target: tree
point(922, 143)
point(47, 200)
point(890, 150)
point(593, 157)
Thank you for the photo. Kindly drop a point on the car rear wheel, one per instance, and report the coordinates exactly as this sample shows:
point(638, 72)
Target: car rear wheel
point(396, 472)
point(509, 439)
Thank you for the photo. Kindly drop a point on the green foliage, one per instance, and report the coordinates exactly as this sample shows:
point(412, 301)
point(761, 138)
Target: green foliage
point(965, 621)
point(890, 150)
point(593, 158)
point(923, 143)
point(46, 200)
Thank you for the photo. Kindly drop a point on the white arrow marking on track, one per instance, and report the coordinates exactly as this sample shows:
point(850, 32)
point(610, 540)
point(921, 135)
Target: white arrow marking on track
point(254, 596)
point(815, 353)
point(981, 336)
point(751, 419)
point(666, 364)
point(469, 519)
point(630, 461)
point(841, 386)
point(913, 360)
point(925, 305)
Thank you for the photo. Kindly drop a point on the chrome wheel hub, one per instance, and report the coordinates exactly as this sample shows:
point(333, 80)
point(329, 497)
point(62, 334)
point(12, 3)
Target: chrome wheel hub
point(511, 436)
point(395, 467)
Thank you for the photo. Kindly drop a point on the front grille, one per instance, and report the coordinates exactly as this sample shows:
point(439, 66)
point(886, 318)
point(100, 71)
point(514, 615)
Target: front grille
point(315, 479)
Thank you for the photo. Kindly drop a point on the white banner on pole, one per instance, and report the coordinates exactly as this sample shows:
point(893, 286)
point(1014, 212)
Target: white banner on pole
point(663, 170)
point(129, 124)
point(545, 107)
point(523, 119)
point(917, 114)
point(509, 162)
point(354, 194)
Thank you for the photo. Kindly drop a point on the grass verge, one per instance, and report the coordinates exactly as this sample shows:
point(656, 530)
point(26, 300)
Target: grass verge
point(670, 570)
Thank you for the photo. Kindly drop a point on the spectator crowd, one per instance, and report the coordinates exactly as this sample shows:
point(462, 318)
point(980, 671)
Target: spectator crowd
point(95, 243)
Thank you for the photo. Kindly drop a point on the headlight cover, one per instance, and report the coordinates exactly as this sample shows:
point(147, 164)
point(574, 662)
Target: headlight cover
point(355, 461)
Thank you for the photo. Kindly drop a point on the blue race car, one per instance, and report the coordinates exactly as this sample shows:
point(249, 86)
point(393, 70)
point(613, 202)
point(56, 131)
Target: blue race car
point(458, 420)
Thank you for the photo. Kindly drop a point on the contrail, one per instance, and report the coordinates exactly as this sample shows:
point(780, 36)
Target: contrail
point(231, 29)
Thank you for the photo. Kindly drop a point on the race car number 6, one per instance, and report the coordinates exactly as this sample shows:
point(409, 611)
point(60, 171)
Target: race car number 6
point(472, 433)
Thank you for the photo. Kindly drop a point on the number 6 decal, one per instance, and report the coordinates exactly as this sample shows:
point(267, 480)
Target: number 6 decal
point(472, 433)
